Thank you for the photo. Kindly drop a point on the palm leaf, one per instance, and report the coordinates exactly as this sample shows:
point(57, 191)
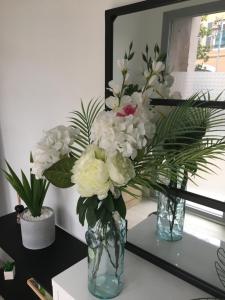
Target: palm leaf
point(84, 121)
point(187, 139)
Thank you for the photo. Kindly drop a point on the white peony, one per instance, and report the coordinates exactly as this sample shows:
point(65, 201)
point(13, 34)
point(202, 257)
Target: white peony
point(120, 169)
point(90, 173)
point(53, 146)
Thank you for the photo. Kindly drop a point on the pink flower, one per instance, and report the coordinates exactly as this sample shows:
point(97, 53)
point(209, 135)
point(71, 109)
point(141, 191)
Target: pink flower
point(127, 110)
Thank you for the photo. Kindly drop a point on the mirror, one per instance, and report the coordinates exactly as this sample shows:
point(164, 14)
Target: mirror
point(192, 33)
point(194, 40)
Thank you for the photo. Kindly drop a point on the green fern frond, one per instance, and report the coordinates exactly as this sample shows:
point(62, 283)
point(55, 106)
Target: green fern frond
point(187, 139)
point(84, 121)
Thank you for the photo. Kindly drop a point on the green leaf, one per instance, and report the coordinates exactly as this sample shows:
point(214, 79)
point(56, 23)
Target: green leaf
point(156, 48)
point(91, 214)
point(26, 185)
point(144, 57)
point(82, 212)
point(32, 193)
point(130, 46)
point(83, 121)
point(120, 207)
point(108, 203)
point(131, 56)
point(80, 202)
point(59, 174)
point(162, 57)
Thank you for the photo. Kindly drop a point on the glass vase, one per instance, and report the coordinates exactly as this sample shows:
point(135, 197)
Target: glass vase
point(170, 217)
point(106, 244)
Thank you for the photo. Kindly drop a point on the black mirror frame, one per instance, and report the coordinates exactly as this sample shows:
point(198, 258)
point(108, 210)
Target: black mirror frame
point(110, 17)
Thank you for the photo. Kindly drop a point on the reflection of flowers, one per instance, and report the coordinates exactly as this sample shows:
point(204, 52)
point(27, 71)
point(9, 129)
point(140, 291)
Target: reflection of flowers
point(127, 110)
point(158, 66)
point(122, 64)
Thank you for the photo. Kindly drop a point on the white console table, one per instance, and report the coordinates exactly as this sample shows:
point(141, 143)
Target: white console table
point(143, 281)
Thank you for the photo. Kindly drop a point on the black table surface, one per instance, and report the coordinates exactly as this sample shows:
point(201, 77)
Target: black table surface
point(40, 264)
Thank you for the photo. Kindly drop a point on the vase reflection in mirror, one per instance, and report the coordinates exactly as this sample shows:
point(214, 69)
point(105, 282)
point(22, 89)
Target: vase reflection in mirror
point(170, 217)
point(171, 212)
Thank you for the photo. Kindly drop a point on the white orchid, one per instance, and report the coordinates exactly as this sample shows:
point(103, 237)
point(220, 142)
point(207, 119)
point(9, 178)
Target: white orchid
point(153, 81)
point(114, 87)
point(176, 95)
point(146, 74)
point(112, 102)
point(158, 66)
point(122, 65)
point(169, 80)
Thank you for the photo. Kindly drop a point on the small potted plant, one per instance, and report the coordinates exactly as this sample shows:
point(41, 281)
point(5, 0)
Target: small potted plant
point(9, 270)
point(37, 221)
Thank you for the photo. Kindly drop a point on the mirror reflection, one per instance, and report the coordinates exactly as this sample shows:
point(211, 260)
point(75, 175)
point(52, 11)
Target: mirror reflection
point(194, 40)
point(196, 52)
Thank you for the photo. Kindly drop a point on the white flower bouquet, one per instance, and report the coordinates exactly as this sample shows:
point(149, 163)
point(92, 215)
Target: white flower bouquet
point(131, 144)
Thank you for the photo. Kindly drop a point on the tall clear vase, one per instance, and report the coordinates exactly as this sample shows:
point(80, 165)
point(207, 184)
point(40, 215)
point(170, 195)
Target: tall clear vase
point(106, 258)
point(170, 217)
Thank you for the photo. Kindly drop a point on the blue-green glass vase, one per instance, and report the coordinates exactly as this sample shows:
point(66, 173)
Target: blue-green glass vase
point(170, 217)
point(106, 258)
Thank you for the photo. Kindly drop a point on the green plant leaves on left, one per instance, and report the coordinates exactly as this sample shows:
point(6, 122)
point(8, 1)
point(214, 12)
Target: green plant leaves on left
point(59, 174)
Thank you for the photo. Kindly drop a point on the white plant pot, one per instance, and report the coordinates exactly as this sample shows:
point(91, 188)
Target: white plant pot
point(9, 275)
point(38, 233)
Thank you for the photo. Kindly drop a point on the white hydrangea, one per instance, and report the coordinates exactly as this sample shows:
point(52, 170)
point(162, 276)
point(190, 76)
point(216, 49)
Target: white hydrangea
point(114, 131)
point(52, 147)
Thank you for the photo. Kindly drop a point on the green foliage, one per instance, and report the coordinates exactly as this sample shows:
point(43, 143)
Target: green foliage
point(84, 120)
point(129, 54)
point(185, 141)
point(131, 88)
point(93, 210)
point(8, 266)
point(59, 174)
point(32, 193)
point(203, 50)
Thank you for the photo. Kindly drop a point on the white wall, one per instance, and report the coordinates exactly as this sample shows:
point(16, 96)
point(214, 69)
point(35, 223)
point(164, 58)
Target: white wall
point(51, 55)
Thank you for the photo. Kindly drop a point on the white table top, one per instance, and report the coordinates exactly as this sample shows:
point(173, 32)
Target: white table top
point(143, 281)
point(190, 254)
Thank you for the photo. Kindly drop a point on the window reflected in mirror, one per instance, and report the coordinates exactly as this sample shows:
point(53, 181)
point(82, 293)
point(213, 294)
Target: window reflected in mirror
point(196, 53)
